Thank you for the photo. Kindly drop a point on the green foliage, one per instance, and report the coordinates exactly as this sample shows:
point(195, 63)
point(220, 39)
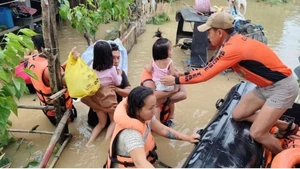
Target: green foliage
point(32, 164)
point(12, 87)
point(274, 2)
point(159, 19)
point(86, 18)
point(4, 161)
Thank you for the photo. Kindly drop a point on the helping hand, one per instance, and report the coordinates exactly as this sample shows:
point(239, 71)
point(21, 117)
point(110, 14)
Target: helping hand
point(194, 138)
point(75, 54)
point(168, 80)
point(112, 86)
point(119, 71)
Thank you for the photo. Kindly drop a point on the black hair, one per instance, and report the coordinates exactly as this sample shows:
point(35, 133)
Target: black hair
point(160, 49)
point(114, 47)
point(103, 58)
point(228, 31)
point(136, 100)
point(38, 42)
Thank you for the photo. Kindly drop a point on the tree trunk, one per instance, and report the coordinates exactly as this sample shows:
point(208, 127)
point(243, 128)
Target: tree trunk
point(52, 53)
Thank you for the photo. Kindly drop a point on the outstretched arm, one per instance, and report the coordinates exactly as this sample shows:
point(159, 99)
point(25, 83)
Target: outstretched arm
point(226, 58)
point(167, 132)
point(149, 67)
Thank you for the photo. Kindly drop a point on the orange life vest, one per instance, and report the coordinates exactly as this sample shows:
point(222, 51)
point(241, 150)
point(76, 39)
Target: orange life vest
point(123, 121)
point(38, 64)
point(289, 157)
point(165, 109)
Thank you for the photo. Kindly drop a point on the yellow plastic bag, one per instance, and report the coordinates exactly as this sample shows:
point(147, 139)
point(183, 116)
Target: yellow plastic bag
point(81, 80)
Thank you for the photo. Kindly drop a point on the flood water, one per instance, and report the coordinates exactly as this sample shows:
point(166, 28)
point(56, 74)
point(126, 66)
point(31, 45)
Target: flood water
point(281, 24)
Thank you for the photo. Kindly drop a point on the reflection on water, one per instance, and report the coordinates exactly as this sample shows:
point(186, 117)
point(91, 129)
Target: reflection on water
point(280, 23)
point(288, 47)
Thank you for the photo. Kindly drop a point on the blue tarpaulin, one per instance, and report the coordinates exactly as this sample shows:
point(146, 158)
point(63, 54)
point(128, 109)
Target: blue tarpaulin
point(88, 55)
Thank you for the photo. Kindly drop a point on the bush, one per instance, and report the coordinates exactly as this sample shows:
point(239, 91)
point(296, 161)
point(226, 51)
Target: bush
point(12, 87)
point(159, 19)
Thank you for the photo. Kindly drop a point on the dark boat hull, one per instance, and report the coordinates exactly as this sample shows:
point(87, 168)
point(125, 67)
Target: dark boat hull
point(227, 143)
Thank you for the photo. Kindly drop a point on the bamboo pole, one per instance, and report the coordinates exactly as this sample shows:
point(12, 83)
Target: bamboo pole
point(2, 156)
point(57, 95)
point(29, 131)
point(6, 166)
point(127, 35)
point(56, 136)
point(57, 155)
point(36, 107)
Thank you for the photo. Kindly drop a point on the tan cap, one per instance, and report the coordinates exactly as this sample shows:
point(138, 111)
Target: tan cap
point(221, 20)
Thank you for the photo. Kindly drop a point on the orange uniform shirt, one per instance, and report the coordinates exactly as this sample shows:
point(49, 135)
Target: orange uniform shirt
point(250, 58)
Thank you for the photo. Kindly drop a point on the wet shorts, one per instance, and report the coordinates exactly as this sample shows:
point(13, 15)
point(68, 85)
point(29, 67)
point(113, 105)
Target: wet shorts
point(105, 97)
point(281, 94)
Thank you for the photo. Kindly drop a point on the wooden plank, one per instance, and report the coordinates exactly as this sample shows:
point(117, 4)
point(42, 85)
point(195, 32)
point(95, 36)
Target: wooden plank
point(35, 19)
point(2, 156)
point(36, 107)
point(31, 131)
point(57, 94)
point(11, 30)
point(57, 155)
point(4, 3)
point(56, 136)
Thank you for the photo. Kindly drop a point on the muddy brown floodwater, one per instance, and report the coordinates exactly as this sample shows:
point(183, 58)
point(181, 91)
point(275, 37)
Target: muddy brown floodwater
point(281, 24)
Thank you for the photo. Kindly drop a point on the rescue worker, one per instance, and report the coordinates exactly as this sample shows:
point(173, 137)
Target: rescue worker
point(39, 65)
point(276, 89)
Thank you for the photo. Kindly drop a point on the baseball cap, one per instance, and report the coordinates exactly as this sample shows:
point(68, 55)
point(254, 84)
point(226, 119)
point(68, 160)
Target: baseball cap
point(221, 20)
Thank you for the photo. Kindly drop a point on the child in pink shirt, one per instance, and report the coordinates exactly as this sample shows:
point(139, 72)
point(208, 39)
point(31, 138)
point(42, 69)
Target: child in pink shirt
point(162, 65)
point(105, 98)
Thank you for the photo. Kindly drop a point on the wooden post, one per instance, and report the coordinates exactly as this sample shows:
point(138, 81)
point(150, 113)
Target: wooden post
point(52, 54)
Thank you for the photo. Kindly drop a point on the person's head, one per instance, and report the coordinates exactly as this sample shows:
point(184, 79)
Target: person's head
point(141, 103)
point(116, 54)
point(38, 42)
point(219, 25)
point(162, 49)
point(103, 58)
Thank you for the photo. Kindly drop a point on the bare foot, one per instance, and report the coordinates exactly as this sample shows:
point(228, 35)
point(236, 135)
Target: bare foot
point(89, 145)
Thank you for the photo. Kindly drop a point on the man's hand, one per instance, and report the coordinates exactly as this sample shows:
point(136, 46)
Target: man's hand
point(112, 86)
point(168, 80)
point(194, 138)
point(119, 71)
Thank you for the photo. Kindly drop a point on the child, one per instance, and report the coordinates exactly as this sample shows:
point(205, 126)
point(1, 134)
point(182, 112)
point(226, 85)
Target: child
point(105, 98)
point(162, 65)
point(121, 90)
